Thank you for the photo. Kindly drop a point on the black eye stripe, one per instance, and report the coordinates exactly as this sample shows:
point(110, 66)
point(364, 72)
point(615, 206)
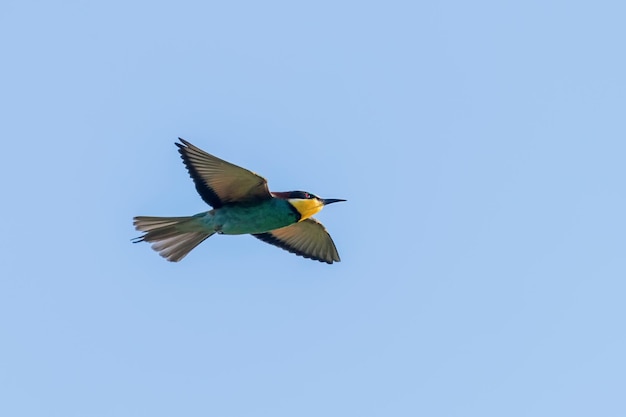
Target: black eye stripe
point(301, 194)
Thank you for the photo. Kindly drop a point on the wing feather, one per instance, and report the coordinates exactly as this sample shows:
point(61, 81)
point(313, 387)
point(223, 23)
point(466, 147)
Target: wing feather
point(219, 182)
point(308, 238)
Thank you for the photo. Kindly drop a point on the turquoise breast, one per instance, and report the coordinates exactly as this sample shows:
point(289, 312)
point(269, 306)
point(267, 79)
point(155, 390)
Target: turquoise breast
point(238, 219)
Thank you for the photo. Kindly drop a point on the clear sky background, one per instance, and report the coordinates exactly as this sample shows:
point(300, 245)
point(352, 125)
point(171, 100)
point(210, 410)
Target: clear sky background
point(480, 145)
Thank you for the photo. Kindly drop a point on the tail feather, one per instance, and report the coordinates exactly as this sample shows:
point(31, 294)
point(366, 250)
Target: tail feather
point(172, 237)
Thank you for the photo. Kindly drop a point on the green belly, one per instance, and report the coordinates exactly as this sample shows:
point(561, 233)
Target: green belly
point(238, 219)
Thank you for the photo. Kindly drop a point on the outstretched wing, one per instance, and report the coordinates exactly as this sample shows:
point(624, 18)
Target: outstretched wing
point(307, 238)
point(219, 182)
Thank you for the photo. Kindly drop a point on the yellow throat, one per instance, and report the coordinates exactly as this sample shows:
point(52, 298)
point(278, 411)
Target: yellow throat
point(306, 207)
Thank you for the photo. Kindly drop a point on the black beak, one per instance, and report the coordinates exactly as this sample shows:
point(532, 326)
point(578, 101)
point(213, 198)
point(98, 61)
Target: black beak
point(328, 201)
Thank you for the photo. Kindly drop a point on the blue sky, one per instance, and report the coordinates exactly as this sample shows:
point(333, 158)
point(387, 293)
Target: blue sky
point(480, 146)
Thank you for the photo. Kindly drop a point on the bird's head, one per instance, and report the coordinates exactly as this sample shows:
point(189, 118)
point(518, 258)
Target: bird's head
point(305, 203)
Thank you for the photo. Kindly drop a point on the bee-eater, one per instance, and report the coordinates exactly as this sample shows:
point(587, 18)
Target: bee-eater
point(242, 204)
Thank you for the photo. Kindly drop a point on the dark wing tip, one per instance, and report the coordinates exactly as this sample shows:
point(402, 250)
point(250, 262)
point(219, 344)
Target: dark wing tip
point(204, 190)
point(273, 240)
point(184, 146)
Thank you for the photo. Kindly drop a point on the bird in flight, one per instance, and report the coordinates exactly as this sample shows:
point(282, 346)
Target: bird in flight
point(242, 204)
